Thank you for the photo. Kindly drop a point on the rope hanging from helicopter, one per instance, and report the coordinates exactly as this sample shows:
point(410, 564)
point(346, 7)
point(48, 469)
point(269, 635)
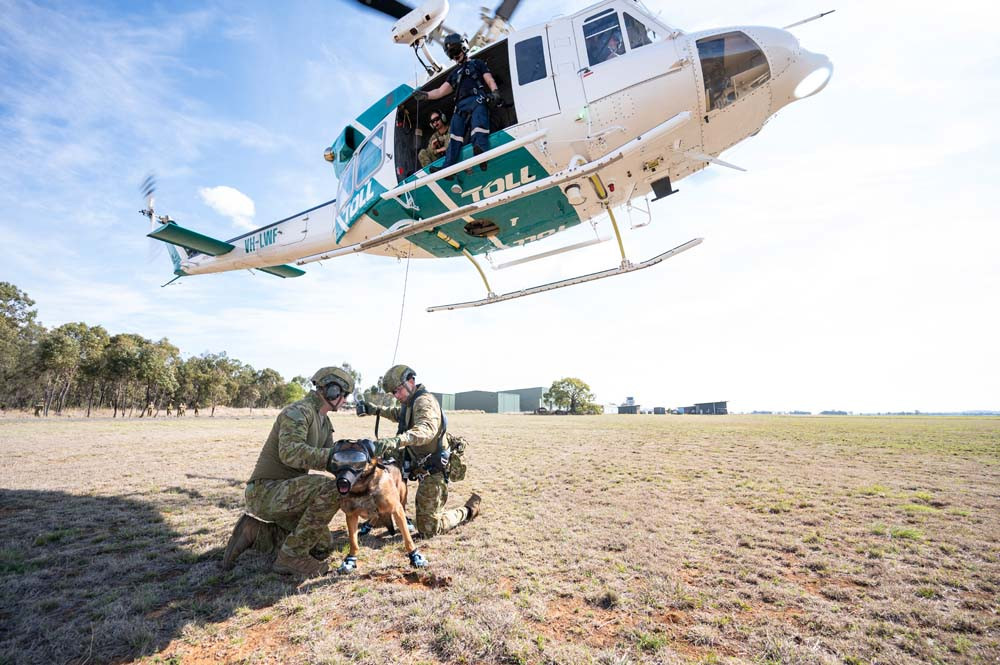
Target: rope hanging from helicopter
point(409, 252)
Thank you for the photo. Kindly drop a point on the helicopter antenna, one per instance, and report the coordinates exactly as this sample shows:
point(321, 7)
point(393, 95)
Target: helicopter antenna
point(808, 20)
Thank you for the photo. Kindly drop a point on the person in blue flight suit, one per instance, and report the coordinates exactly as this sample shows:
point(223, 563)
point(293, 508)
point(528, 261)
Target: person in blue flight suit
point(474, 86)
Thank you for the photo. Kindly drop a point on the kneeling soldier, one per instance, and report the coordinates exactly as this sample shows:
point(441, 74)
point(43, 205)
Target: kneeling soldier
point(283, 492)
point(421, 446)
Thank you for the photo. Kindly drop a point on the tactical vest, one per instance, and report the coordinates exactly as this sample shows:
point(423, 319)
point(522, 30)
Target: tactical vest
point(433, 456)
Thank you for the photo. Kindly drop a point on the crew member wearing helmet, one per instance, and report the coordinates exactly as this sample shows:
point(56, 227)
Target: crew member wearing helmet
point(474, 86)
point(296, 505)
point(422, 446)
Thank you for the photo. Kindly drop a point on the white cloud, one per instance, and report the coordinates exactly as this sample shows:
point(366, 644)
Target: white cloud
point(230, 202)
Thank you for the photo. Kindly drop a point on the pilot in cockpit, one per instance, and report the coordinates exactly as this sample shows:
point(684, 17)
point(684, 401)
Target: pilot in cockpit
point(613, 48)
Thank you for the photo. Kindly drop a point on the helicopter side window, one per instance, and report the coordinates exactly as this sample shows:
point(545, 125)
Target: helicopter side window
point(370, 156)
point(602, 34)
point(530, 57)
point(346, 185)
point(732, 66)
point(638, 33)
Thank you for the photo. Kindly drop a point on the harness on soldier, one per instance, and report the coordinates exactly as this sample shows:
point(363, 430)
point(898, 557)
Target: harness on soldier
point(478, 91)
point(433, 462)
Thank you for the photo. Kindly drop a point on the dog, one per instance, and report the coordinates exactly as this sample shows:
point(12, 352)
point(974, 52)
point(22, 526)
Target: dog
point(371, 489)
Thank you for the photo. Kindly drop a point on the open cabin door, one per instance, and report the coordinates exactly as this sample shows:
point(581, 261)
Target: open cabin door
point(531, 75)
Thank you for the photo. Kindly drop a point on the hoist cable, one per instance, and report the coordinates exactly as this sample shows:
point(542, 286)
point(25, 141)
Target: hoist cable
point(402, 305)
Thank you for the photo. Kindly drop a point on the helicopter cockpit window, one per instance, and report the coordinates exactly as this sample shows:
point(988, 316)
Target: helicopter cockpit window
point(638, 33)
point(603, 35)
point(530, 57)
point(732, 66)
point(370, 156)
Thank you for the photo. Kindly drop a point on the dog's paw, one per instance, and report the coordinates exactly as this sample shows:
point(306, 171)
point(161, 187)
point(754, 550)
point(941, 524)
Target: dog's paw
point(349, 565)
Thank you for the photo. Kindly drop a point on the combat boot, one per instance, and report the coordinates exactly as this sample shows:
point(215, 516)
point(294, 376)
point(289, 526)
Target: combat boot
point(301, 566)
point(244, 534)
point(472, 505)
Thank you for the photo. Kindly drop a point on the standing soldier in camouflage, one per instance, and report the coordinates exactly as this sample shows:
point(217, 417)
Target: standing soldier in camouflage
point(419, 443)
point(283, 492)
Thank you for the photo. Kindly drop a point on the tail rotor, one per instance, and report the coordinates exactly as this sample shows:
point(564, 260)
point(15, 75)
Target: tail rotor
point(148, 189)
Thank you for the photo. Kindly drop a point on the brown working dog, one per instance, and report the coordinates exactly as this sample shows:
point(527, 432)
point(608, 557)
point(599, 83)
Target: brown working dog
point(372, 490)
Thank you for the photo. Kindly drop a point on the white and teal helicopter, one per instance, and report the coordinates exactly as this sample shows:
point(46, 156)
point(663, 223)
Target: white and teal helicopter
point(603, 108)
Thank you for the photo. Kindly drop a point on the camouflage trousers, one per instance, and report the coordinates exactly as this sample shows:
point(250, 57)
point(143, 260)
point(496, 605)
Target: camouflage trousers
point(432, 495)
point(302, 506)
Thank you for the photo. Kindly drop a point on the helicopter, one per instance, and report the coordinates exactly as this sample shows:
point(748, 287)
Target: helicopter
point(603, 108)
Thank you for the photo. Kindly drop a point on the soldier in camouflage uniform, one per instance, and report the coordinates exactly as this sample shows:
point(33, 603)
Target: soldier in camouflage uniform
point(283, 492)
point(419, 439)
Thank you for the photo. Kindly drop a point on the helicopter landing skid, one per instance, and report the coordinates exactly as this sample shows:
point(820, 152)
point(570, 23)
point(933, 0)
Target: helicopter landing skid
point(625, 267)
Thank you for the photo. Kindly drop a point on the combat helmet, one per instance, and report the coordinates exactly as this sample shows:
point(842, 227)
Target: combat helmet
point(333, 382)
point(395, 376)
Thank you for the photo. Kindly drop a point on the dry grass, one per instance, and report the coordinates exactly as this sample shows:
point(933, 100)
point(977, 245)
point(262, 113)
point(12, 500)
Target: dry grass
point(606, 540)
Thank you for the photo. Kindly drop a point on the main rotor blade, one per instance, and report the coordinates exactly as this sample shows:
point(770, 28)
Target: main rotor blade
point(506, 9)
point(393, 8)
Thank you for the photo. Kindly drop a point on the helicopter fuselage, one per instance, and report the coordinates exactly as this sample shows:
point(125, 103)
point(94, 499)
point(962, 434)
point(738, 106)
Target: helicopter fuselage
point(585, 85)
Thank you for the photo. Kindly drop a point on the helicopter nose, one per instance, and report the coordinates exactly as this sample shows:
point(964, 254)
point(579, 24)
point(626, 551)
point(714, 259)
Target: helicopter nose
point(795, 72)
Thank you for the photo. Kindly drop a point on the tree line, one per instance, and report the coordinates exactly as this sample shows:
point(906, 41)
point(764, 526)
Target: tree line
point(80, 366)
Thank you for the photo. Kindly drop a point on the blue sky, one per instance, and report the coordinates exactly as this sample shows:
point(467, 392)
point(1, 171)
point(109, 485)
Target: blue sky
point(855, 266)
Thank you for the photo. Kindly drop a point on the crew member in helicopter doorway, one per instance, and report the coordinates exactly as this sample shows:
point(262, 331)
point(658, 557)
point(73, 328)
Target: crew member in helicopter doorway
point(474, 86)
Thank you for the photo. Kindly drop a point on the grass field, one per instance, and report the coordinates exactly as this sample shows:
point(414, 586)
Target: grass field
point(604, 539)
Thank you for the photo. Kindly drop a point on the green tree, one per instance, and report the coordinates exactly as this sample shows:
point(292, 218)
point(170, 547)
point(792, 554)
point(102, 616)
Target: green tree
point(270, 384)
point(571, 394)
point(292, 392)
point(121, 369)
point(157, 371)
point(19, 339)
point(58, 361)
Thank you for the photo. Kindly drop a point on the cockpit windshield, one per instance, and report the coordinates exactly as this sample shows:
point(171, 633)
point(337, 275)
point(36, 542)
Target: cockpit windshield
point(732, 66)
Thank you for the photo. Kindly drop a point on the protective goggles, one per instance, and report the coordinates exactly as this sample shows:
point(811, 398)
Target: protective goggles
point(352, 457)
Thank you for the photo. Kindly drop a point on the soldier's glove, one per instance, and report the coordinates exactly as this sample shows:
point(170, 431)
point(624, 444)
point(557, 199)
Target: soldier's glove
point(496, 99)
point(420, 95)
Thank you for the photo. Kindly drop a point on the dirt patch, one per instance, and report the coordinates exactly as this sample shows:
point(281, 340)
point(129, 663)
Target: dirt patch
point(423, 579)
point(261, 643)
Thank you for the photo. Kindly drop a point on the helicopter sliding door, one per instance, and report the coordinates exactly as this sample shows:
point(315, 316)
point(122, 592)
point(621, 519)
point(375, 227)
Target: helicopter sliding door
point(532, 76)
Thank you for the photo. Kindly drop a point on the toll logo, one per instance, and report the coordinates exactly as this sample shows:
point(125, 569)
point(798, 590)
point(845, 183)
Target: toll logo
point(500, 185)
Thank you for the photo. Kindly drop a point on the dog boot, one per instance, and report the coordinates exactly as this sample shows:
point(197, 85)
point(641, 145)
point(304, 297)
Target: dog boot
point(301, 566)
point(409, 527)
point(417, 559)
point(349, 566)
point(472, 505)
point(244, 534)
point(365, 528)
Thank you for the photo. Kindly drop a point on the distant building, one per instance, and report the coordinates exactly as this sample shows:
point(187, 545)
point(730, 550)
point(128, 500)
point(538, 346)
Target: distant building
point(706, 408)
point(531, 398)
point(446, 400)
point(490, 402)
point(629, 406)
point(659, 410)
